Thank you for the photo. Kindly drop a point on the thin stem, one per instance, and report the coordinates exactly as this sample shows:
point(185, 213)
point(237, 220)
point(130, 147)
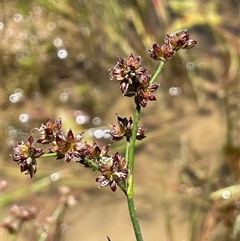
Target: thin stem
point(130, 154)
point(47, 155)
point(159, 69)
point(91, 164)
point(58, 235)
point(96, 168)
point(135, 223)
point(131, 149)
point(127, 150)
point(54, 217)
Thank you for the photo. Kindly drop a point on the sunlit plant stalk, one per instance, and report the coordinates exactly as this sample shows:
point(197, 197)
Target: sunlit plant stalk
point(54, 217)
point(130, 154)
point(115, 170)
point(159, 69)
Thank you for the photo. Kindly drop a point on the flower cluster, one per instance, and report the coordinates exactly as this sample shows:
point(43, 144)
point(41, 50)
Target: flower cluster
point(19, 215)
point(124, 129)
point(49, 131)
point(25, 156)
point(67, 146)
point(70, 147)
point(24, 213)
point(113, 170)
point(66, 197)
point(172, 43)
point(134, 80)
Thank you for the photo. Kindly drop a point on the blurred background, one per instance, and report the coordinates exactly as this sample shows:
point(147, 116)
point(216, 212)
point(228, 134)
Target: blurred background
point(55, 57)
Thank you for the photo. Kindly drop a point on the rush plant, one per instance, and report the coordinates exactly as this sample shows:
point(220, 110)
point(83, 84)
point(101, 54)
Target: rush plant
point(114, 169)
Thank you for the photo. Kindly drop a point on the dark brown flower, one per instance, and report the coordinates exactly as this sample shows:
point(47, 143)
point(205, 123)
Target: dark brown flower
point(67, 146)
point(128, 72)
point(140, 133)
point(190, 44)
point(126, 69)
point(29, 166)
point(114, 170)
point(124, 129)
point(25, 156)
point(144, 95)
point(164, 52)
point(23, 151)
point(49, 131)
point(172, 43)
point(181, 40)
point(93, 152)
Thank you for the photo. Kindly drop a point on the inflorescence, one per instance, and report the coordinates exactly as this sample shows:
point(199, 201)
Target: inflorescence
point(135, 81)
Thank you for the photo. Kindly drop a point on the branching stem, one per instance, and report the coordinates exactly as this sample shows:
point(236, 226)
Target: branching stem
point(130, 154)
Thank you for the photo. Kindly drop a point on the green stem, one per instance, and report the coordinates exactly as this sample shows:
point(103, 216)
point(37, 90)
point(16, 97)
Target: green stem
point(135, 223)
point(130, 150)
point(159, 69)
point(95, 166)
point(91, 163)
point(54, 217)
point(47, 155)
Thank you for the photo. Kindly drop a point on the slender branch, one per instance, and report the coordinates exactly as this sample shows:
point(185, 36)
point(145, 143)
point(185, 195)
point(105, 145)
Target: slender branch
point(54, 217)
point(159, 69)
point(135, 223)
point(127, 150)
point(96, 167)
point(130, 154)
point(131, 149)
point(91, 164)
point(47, 155)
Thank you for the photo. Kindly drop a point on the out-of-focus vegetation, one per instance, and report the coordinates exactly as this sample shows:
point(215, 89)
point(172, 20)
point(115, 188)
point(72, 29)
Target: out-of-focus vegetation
point(55, 57)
